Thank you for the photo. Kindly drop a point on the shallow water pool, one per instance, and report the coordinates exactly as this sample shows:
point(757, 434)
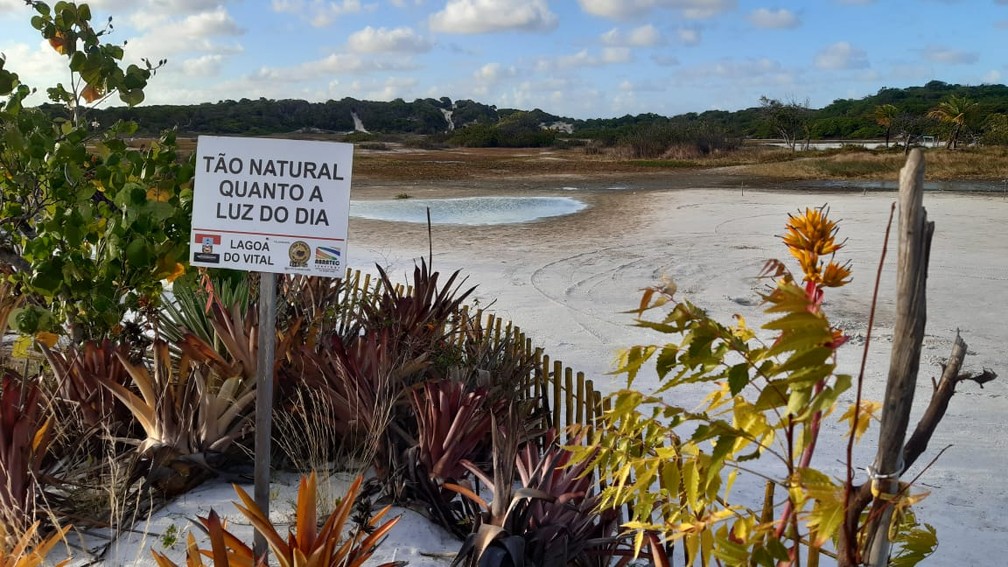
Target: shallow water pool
point(467, 210)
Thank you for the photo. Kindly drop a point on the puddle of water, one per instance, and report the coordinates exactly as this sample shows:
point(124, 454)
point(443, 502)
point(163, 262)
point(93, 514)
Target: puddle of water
point(470, 211)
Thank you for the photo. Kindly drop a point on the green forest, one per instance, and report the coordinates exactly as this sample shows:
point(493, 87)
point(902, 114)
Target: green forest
point(891, 112)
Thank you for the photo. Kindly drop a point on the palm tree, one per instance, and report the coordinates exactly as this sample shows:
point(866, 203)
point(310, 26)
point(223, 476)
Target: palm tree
point(953, 110)
point(885, 115)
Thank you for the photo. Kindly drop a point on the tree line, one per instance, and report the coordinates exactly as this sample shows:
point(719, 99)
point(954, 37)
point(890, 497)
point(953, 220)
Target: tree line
point(904, 113)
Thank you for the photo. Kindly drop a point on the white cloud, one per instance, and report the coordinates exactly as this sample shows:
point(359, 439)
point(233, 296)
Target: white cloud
point(40, 68)
point(195, 33)
point(939, 54)
point(688, 36)
point(625, 9)
point(841, 55)
point(388, 89)
point(493, 72)
point(332, 64)
point(376, 40)
point(643, 36)
point(585, 58)
point(12, 6)
point(483, 16)
point(749, 72)
point(642, 86)
point(203, 66)
point(319, 12)
point(992, 77)
point(612, 55)
point(773, 19)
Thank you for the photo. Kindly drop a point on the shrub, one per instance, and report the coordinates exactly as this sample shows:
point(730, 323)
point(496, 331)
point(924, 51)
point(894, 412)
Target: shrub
point(676, 139)
point(766, 399)
point(92, 230)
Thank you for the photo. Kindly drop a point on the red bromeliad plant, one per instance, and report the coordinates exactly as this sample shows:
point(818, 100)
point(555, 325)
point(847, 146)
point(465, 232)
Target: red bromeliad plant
point(24, 436)
point(81, 372)
point(361, 385)
point(453, 428)
point(555, 517)
point(452, 423)
point(365, 378)
point(415, 315)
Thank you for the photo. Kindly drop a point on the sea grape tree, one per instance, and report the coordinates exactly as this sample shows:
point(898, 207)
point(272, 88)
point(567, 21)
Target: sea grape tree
point(89, 226)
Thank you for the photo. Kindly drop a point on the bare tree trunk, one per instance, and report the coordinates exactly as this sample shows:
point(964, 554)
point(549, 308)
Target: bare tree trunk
point(891, 460)
point(908, 333)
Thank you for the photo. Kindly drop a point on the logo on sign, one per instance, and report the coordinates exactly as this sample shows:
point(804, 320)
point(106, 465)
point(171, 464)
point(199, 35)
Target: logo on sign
point(327, 258)
point(207, 243)
point(299, 253)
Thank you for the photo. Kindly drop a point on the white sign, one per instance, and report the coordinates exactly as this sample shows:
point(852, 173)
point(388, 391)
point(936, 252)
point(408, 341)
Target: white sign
point(270, 205)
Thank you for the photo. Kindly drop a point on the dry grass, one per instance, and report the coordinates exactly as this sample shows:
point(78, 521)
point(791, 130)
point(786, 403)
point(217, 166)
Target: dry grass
point(310, 443)
point(399, 163)
point(944, 165)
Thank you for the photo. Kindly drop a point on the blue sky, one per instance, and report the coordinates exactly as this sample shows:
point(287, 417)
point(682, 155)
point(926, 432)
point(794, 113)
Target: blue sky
point(578, 58)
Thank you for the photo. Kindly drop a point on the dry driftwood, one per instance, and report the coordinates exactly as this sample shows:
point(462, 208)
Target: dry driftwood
point(894, 455)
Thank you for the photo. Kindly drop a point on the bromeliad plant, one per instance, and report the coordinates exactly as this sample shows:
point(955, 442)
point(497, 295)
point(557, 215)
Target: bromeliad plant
point(767, 401)
point(80, 373)
point(453, 427)
point(554, 517)
point(24, 437)
point(416, 315)
point(188, 415)
point(337, 542)
point(366, 377)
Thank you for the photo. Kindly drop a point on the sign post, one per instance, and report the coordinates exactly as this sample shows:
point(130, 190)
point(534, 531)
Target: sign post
point(264, 401)
point(275, 207)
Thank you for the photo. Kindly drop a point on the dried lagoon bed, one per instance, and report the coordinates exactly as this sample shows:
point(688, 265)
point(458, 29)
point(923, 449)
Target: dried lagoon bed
point(568, 281)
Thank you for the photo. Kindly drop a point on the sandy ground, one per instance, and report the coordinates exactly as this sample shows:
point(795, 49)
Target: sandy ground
point(567, 282)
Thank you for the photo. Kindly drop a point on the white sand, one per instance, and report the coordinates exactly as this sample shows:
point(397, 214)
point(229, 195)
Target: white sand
point(566, 281)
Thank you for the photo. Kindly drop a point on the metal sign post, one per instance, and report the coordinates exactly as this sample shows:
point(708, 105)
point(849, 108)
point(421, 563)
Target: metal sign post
point(274, 207)
point(265, 362)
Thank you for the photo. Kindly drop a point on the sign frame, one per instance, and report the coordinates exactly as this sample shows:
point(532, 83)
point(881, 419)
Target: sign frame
point(271, 205)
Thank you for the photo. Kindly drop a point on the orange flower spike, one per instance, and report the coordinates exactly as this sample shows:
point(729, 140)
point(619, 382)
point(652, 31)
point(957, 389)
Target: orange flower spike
point(836, 275)
point(809, 264)
point(810, 235)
